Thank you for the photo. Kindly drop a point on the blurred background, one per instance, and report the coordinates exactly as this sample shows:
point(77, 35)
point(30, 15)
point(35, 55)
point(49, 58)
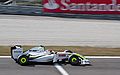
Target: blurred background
point(21, 2)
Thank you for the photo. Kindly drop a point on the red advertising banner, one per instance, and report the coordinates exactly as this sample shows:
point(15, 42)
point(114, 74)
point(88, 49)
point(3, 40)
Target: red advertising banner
point(82, 6)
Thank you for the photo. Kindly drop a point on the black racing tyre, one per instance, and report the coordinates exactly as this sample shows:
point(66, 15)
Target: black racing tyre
point(74, 60)
point(23, 60)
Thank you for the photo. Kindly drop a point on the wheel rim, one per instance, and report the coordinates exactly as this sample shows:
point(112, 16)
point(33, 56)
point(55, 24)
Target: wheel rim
point(74, 59)
point(23, 60)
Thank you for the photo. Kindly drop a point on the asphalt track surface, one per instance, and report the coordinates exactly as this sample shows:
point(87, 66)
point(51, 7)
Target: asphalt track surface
point(9, 67)
point(35, 30)
point(99, 67)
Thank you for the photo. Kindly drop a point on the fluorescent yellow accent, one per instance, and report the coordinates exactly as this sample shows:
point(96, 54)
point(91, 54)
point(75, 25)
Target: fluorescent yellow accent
point(23, 60)
point(80, 56)
point(74, 59)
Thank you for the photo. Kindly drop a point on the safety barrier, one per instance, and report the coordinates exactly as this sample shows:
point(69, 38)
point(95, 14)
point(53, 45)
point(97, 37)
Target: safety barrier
point(32, 10)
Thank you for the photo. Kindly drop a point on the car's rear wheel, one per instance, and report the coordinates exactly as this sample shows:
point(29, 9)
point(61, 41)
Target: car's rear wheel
point(74, 60)
point(23, 60)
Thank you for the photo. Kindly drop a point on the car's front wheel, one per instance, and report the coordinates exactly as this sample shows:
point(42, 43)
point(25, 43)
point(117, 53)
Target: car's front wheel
point(74, 60)
point(23, 60)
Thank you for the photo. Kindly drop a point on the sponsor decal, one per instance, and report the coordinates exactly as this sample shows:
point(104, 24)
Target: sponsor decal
point(90, 6)
point(81, 6)
point(51, 4)
point(17, 51)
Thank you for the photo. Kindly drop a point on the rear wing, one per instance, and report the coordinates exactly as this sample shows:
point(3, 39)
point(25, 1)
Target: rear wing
point(16, 51)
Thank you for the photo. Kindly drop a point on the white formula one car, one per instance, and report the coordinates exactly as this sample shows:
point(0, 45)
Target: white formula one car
point(39, 54)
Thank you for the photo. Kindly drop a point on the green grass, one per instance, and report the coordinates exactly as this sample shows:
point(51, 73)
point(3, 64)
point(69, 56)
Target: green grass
point(97, 51)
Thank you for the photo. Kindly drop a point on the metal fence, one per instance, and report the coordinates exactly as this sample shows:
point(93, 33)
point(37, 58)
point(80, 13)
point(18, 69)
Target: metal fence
point(21, 2)
point(29, 2)
point(21, 10)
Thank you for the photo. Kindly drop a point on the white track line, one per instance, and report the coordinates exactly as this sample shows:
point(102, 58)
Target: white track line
point(5, 56)
point(85, 56)
point(107, 57)
point(60, 69)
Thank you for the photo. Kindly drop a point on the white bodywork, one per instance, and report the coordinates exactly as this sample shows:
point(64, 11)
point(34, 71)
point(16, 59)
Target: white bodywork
point(16, 52)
